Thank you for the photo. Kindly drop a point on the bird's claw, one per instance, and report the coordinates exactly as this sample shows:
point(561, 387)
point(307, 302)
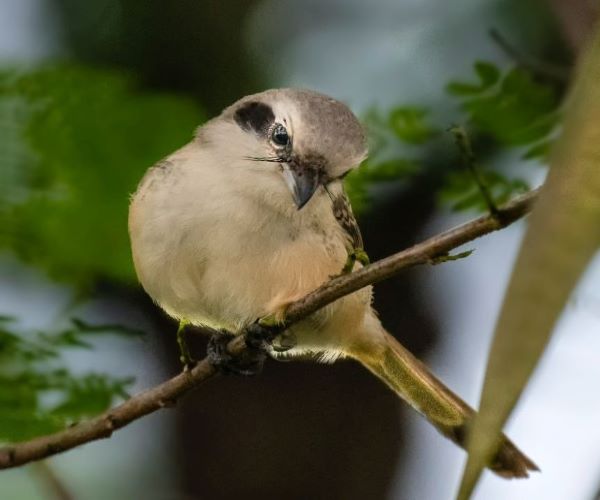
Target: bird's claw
point(358, 254)
point(266, 334)
point(246, 364)
point(259, 335)
point(361, 256)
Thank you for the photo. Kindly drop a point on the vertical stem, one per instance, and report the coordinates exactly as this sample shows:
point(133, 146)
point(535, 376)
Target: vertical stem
point(52, 482)
point(468, 157)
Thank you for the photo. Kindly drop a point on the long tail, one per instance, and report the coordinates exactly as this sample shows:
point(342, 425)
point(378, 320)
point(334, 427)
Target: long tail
point(387, 359)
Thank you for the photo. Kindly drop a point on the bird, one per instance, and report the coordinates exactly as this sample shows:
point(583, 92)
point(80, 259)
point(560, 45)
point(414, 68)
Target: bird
point(250, 216)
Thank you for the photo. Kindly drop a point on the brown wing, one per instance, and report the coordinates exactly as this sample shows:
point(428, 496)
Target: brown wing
point(343, 213)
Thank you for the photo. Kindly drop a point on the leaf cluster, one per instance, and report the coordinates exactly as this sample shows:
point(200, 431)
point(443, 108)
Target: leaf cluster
point(38, 393)
point(513, 108)
point(503, 109)
point(396, 140)
point(74, 143)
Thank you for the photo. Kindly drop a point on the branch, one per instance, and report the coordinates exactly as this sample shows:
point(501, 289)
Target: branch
point(166, 394)
point(467, 155)
point(422, 253)
point(540, 68)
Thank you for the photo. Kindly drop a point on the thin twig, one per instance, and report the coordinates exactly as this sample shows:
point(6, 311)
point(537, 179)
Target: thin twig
point(167, 393)
point(470, 162)
point(535, 66)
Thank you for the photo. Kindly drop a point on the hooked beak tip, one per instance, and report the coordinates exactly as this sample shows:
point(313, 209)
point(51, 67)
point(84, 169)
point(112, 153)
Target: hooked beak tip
point(300, 202)
point(302, 184)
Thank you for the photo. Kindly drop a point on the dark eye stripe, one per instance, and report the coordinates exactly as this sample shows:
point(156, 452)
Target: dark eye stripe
point(255, 116)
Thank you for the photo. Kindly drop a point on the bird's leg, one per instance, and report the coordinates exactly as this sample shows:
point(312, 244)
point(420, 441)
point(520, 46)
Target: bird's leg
point(357, 254)
point(361, 256)
point(248, 363)
point(184, 352)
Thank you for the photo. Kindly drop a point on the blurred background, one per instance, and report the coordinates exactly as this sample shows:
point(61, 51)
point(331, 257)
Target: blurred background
point(93, 93)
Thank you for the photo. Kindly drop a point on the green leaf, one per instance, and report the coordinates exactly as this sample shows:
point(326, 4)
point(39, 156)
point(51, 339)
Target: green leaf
point(89, 395)
point(463, 89)
point(74, 336)
point(409, 125)
point(358, 182)
point(17, 425)
point(540, 150)
point(37, 393)
point(390, 170)
point(80, 141)
point(519, 112)
point(514, 109)
point(562, 237)
point(85, 327)
point(461, 193)
point(488, 75)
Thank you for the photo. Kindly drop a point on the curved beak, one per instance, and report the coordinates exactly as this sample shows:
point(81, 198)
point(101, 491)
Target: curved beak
point(302, 182)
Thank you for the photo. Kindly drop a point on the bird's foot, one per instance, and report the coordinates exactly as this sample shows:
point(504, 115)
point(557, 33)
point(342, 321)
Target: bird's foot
point(265, 334)
point(260, 334)
point(356, 255)
point(249, 363)
point(361, 256)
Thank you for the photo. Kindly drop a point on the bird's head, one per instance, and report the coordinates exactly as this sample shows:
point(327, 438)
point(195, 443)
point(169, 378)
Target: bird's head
point(297, 139)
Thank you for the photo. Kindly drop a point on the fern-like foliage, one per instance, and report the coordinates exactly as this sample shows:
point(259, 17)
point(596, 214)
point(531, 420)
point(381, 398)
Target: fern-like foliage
point(38, 393)
point(507, 109)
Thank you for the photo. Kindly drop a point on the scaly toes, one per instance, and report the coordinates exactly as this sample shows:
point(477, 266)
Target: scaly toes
point(247, 364)
point(258, 336)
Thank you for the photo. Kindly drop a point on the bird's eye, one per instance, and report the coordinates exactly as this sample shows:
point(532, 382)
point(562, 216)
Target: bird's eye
point(280, 136)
